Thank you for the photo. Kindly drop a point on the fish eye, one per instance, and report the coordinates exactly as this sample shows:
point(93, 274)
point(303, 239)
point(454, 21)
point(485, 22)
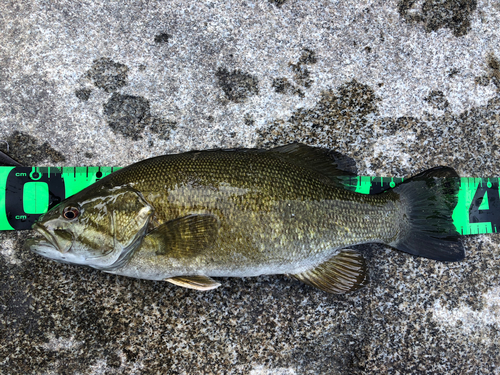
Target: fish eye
point(70, 212)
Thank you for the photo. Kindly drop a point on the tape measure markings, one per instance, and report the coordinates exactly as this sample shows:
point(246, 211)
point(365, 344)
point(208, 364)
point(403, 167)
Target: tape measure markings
point(31, 191)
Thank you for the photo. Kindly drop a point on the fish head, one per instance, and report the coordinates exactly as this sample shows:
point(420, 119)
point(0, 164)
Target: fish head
point(98, 227)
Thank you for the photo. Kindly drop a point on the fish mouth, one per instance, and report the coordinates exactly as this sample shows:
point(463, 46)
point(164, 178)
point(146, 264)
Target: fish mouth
point(51, 240)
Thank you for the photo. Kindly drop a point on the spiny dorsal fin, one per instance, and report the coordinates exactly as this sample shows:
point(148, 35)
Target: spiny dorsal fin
point(186, 236)
point(345, 272)
point(328, 163)
point(194, 282)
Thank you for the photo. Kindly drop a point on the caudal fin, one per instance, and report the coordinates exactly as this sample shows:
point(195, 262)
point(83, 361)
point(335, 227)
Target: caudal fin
point(430, 198)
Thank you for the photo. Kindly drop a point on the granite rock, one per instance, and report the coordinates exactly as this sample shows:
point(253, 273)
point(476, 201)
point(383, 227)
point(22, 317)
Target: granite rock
point(400, 86)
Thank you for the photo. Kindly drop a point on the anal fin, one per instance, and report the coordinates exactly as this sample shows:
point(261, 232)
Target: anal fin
point(194, 282)
point(343, 273)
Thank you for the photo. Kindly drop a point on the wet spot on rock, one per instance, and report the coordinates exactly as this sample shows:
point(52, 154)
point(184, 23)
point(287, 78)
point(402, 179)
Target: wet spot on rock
point(493, 73)
point(162, 127)
point(83, 94)
point(301, 72)
point(308, 57)
point(28, 150)
point(127, 115)
point(301, 75)
point(482, 81)
point(248, 119)
point(435, 14)
point(284, 86)
point(336, 120)
point(494, 66)
point(437, 99)
point(237, 85)
point(108, 75)
point(162, 38)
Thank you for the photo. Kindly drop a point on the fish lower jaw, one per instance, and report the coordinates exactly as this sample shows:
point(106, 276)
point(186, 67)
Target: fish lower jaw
point(48, 238)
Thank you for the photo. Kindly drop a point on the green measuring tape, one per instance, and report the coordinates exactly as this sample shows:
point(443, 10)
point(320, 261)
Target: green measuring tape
point(28, 192)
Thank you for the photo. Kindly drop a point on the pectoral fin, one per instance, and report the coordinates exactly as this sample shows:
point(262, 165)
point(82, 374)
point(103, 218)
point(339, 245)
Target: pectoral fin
point(186, 236)
point(345, 272)
point(194, 282)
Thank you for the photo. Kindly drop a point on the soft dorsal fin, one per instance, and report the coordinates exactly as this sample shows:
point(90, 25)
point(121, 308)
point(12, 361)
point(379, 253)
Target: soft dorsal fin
point(194, 282)
point(186, 236)
point(438, 172)
point(328, 163)
point(345, 272)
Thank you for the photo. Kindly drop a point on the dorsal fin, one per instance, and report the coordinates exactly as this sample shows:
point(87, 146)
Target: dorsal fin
point(330, 164)
point(343, 273)
point(438, 172)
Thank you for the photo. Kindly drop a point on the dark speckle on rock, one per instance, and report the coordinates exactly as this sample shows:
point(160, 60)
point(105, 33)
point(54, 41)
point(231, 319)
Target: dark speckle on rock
point(307, 57)
point(301, 72)
point(162, 127)
point(437, 99)
point(127, 115)
point(494, 67)
point(453, 72)
point(29, 151)
point(284, 86)
point(83, 94)
point(108, 75)
point(278, 3)
point(482, 80)
point(248, 119)
point(281, 85)
point(162, 38)
point(237, 85)
point(435, 14)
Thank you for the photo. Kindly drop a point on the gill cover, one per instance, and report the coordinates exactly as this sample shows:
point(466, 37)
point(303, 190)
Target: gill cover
point(128, 215)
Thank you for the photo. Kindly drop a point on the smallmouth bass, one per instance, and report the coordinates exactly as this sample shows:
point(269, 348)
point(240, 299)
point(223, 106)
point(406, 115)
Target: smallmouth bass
point(188, 217)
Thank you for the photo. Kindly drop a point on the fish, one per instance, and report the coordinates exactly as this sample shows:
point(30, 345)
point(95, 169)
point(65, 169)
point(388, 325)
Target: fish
point(187, 218)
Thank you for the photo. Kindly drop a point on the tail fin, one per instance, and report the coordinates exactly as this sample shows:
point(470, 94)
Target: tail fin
point(430, 198)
